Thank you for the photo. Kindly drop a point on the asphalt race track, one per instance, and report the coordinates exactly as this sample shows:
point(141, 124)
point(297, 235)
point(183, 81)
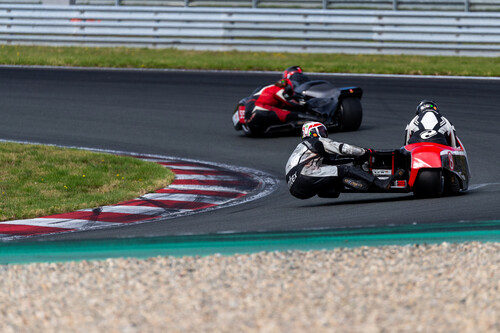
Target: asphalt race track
point(188, 114)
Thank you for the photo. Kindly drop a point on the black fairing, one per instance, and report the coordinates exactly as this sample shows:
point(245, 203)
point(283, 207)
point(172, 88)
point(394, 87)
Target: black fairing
point(299, 78)
point(317, 89)
point(323, 106)
point(321, 96)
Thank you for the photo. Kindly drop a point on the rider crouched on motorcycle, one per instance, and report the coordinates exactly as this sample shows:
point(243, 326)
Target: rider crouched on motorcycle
point(272, 104)
point(430, 126)
point(319, 165)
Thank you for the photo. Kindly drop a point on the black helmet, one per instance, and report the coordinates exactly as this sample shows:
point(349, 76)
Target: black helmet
point(427, 105)
point(291, 71)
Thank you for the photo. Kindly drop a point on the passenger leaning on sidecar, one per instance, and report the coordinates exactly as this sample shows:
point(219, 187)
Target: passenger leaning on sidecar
point(319, 165)
point(273, 105)
point(430, 126)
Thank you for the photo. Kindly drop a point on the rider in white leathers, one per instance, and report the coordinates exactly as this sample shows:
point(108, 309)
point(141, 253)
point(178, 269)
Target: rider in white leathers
point(319, 165)
point(430, 126)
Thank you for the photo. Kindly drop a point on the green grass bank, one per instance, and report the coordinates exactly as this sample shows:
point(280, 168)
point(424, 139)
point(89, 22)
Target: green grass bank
point(120, 57)
point(37, 180)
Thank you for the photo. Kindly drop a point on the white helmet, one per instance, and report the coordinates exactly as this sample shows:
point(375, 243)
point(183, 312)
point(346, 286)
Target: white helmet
point(314, 129)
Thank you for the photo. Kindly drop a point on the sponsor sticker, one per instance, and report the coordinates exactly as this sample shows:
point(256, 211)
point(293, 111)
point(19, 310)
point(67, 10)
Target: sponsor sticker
point(241, 113)
point(428, 134)
point(236, 118)
point(382, 172)
point(292, 179)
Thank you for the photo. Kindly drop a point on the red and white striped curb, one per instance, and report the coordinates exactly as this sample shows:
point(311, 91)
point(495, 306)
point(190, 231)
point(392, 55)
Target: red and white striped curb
point(197, 187)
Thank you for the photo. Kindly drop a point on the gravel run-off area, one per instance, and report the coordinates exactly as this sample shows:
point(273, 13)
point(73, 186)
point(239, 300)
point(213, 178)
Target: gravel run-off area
point(417, 288)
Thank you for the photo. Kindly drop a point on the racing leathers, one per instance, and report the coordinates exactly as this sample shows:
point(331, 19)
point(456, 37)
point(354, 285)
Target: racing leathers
point(270, 105)
point(319, 165)
point(431, 126)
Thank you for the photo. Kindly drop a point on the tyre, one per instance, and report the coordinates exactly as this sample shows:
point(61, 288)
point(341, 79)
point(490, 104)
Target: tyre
point(247, 130)
point(351, 114)
point(451, 184)
point(429, 184)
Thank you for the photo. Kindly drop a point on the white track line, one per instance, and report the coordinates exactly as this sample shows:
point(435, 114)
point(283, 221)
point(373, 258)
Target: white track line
point(60, 223)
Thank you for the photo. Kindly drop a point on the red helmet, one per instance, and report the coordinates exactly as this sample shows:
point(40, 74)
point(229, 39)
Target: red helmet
point(313, 129)
point(291, 71)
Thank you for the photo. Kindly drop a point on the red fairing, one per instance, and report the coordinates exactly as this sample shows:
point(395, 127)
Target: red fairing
point(425, 156)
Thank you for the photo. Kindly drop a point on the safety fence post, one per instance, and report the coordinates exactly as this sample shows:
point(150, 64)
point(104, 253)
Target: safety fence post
point(325, 4)
point(466, 5)
point(255, 3)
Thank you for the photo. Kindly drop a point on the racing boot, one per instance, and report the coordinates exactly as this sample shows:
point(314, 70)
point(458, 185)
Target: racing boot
point(386, 184)
point(358, 179)
point(355, 183)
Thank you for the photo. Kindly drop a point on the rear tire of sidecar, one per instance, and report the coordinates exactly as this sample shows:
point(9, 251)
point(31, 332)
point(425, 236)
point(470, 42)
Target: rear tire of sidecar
point(351, 114)
point(429, 184)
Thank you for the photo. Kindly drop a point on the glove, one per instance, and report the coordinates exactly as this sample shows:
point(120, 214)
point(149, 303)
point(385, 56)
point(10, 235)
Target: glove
point(360, 160)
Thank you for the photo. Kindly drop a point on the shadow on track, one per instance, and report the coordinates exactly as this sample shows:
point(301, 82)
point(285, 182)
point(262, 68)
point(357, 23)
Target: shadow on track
point(399, 198)
point(405, 197)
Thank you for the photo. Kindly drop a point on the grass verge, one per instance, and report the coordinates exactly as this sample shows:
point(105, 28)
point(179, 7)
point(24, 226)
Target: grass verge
point(120, 57)
point(38, 180)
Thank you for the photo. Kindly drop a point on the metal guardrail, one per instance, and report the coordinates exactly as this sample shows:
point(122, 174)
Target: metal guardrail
point(432, 5)
point(21, 2)
point(271, 30)
point(455, 5)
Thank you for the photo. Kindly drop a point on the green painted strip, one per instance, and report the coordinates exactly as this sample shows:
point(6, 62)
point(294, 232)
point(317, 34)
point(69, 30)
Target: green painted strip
point(18, 252)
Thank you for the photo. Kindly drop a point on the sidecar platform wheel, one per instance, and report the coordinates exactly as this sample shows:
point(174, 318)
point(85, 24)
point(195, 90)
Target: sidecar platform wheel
point(351, 114)
point(429, 184)
point(248, 132)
